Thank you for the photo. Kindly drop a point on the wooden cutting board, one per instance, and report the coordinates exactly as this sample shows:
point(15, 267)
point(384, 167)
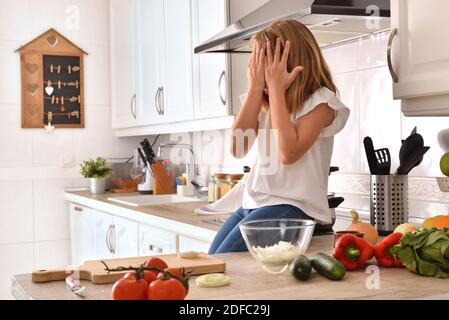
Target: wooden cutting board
point(94, 271)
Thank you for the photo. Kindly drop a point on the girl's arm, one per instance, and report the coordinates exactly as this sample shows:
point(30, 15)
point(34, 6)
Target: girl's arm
point(293, 139)
point(246, 125)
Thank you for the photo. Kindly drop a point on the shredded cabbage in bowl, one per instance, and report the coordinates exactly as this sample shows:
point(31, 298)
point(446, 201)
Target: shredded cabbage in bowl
point(278, 254)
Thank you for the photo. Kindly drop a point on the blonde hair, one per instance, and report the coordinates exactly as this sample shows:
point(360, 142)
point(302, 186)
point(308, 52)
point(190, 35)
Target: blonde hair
point(305, 52)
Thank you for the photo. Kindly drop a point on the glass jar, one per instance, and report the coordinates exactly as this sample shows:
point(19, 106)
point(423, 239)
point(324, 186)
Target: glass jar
point(234, 179)
point(221, 185)
point(211, 190)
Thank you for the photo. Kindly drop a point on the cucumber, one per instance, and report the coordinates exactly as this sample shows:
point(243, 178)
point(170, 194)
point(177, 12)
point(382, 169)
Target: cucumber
point(328, 267)
point(301, 268)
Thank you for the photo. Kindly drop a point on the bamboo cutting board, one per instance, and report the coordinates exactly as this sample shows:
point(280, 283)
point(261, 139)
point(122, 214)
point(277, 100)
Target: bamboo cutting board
point(94, 271)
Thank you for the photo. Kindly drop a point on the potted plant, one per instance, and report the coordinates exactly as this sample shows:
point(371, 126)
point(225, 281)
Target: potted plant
point(97, 171)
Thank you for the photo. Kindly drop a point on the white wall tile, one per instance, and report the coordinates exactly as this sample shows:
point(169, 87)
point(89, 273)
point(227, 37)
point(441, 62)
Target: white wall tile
point(342, 58)
point(93, 27)
point(373, 51)
point(48, 148)
point(93, 141)
point(10, 73)
point(16, 259)
point(97, 76)
point(428, 127)
point(14, 20)
point(346, 146)
point(123, 147)
point(10, 154)
point(380, 115)
point(46, 14)
point(51, 211)
point(16, 211)
point(51, 255)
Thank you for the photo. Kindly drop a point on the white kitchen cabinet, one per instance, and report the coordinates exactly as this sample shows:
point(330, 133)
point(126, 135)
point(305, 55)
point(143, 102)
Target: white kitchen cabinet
point(125, 242)
point(123, 64)
point(155, 241)
point(211, 72)
point(100, 235)
point(79, 234)
point(187, 244)
point(419, 56)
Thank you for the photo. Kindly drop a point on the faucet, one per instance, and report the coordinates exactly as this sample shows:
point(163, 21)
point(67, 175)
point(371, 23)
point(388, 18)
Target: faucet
point(180, 146)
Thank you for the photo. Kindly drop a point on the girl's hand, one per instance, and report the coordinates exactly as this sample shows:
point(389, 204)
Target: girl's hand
point(256, 69)
point(276, 74)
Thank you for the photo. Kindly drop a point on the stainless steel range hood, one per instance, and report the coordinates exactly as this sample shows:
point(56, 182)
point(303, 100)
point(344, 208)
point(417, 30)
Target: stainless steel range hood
point(331, 21)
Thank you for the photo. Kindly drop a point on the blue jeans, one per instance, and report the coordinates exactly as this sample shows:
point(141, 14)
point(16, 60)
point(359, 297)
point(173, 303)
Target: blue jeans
point(229, 238)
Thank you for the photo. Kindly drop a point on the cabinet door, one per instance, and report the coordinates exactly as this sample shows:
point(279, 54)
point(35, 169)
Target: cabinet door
point(150, 46)
point(177, 93)
point(187, 244)
point(420, 53)
point(210, 70)
point(125, 238)
point(123, 63)
point(154, 241)
point(101, 225)
point(80, 232)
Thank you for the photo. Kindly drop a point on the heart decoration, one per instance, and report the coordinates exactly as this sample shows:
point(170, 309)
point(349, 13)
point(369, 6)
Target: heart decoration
point(52, 41)
point(32, 89)
point(31, 67)
point(32, 109)
point(49, 90)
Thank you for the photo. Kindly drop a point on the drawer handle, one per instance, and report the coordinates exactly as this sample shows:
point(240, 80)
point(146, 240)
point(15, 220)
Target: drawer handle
point(155, 249)
point(78, 209)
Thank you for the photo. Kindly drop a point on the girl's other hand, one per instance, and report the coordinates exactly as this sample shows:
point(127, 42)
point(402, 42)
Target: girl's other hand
point(276, 74)
point(256, 69)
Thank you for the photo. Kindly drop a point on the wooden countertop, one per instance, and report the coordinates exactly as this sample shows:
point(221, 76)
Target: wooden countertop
point(249, 281)
point(179, 212)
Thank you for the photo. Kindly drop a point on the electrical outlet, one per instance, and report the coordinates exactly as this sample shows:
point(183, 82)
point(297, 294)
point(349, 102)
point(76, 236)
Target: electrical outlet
point(67, 161)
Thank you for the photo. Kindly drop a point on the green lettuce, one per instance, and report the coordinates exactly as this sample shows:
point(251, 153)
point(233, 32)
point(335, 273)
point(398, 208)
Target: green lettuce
point(425, 252)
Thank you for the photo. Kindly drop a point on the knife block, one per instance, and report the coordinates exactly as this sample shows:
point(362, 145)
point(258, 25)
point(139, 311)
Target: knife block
point(162, 182)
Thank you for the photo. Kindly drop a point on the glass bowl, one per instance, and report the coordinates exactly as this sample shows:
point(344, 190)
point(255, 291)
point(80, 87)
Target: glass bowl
point(275, 243)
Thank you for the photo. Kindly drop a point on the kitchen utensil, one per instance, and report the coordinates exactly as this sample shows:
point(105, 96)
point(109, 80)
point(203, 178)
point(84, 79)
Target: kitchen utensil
point(148, 151)
point(443, 183)
point(94, 271)
point(388, 202)
point(379, 161)
point(275, 243)
point(414, 142)
point(412, 161)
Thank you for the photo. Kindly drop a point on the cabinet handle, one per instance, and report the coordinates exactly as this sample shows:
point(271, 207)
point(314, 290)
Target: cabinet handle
point(155, 249)
point(112, 237)
point(393, 74)
point(78, 209)
point(133, 106)
point(222, 76)
point(156, 101)
point(108, 239)
point(162, 103)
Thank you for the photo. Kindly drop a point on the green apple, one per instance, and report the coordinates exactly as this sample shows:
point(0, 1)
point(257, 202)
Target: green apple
point(444, 164)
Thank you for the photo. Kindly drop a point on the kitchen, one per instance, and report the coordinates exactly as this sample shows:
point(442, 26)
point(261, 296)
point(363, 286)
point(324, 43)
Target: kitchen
point(152, 85)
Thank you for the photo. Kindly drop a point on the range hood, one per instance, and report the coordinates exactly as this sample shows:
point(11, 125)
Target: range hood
point(331, 21)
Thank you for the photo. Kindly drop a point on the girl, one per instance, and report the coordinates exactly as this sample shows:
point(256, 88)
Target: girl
point(292, 103)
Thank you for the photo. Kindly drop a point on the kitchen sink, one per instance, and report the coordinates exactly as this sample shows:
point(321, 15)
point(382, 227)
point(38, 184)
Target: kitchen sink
point(148, 200)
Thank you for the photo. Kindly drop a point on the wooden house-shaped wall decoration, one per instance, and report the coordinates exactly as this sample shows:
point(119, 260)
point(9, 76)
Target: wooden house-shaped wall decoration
point(52, 76)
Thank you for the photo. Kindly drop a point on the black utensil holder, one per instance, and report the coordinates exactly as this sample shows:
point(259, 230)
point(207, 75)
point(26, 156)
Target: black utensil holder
point(388, 202)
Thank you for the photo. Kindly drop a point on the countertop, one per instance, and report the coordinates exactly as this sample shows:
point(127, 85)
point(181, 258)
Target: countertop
point(249, 281)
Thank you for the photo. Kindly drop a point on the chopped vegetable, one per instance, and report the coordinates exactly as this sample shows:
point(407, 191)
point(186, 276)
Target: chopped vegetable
point(278, 254)
point(425, 252)
point(213, 280)
point(353, 252)
point(383, 251)
point(189, 255)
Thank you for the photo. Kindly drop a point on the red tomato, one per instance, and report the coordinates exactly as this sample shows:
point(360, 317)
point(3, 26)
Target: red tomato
point(170, 289)
point(156, 262)
point(129, 288)
point(148, 276)
point(176, 272)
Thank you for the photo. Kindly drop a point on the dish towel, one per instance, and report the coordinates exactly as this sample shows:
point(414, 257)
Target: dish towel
point(226, 205)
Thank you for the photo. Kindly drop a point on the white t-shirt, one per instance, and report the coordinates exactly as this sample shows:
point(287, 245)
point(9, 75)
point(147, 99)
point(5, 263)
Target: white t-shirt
point(303, 184)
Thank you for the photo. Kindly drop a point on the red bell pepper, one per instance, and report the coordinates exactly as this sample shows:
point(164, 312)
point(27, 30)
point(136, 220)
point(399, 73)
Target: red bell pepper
point(353, 252)
point(383, 251)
